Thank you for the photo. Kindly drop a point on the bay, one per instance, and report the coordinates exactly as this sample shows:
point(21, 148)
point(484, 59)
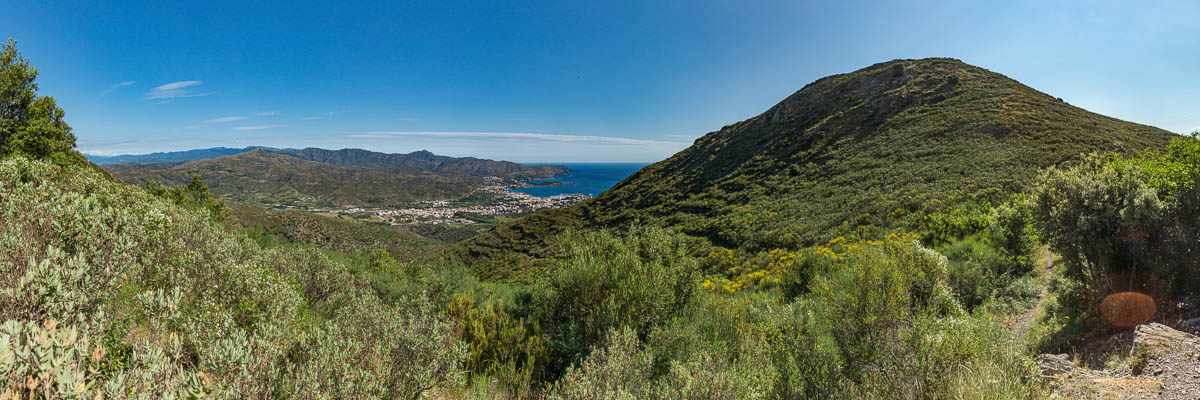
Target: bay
point(585, 178)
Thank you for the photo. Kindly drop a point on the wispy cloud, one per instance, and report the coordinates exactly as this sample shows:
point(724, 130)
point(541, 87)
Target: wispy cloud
point(323, 115)
point(516, 135)
point(175, 90)
point(267, 113)
point(224, 119)
point(115, 87)
point(258, 127)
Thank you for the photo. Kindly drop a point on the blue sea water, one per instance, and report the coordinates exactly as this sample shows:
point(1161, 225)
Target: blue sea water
point(589, 178)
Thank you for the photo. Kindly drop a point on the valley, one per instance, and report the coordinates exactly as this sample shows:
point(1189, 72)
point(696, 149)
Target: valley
point(495, 199)
point(394, 189)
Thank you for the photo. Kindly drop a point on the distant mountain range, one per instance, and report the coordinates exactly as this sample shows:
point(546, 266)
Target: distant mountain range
point(424, 161)
point(318, 177)
point(415, 162)
point(175, 156)
point(860, 152)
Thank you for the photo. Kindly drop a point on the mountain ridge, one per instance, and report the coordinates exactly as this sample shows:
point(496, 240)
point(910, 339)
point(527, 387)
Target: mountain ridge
point(265, 177)
point(425, 161)
point(415, 162)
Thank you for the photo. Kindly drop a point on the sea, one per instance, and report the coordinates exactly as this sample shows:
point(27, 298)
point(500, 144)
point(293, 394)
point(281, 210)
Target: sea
point(585, 178)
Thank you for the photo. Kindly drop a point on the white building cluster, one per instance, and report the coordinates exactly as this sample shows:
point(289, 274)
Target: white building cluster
point(440, 211)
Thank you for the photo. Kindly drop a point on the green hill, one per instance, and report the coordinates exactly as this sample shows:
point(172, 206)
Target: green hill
point(872, 149)
point(263, 177)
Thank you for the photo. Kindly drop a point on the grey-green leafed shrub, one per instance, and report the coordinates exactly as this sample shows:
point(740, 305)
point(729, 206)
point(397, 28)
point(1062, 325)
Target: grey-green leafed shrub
point(622, 368)
point(139, 297)
point(616, 370)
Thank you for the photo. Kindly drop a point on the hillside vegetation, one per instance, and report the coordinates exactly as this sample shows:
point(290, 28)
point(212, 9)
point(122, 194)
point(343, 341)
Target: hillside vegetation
point(263, 177)
point(848, 155)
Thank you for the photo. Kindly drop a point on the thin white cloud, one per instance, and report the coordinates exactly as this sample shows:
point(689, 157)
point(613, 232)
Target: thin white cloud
point(175, 90)
point(516, 135)
point(117, 86)
point(257, 127)
point(267, 113)
point(224, 119)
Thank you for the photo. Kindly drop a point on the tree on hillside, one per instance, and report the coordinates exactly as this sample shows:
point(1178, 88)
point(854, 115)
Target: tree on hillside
point(30, 125)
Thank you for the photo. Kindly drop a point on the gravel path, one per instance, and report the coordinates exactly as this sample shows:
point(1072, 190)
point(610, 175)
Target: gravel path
point(1021, 327)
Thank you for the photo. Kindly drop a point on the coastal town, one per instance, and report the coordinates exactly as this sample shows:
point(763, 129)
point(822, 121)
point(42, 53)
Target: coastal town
point(504, 201)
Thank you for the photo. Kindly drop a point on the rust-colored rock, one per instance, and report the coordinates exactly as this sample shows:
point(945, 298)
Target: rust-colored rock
point(1128, 309)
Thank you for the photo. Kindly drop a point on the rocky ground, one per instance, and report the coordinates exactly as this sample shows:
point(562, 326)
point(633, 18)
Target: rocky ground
point(1163, 363)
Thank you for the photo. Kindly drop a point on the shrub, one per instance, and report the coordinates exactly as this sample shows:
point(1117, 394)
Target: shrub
point(607, 281)
point(622, 368)
point(195, 194)
point(507, 349)
point(616, 370)
point(1097, 216)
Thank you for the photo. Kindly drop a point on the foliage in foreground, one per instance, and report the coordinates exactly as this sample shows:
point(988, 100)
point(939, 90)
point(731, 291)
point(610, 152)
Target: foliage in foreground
point(133, 296)
point(1120, 224)
point(149, 298)
point(883, 325)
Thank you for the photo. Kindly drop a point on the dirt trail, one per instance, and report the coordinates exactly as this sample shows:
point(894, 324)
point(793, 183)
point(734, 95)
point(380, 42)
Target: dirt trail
point(1021, 327)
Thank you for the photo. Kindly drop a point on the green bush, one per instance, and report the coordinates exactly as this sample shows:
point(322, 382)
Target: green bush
point(195, 194)
point(607, 281)
point(502, 347)
point(1120, 224)
point(886, 325)
point(1097, 216)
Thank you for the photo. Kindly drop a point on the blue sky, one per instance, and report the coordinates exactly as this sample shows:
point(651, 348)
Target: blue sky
point(557, 81)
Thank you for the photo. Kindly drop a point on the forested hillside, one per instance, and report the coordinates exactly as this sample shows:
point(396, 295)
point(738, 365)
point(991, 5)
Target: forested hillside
point(849, 154)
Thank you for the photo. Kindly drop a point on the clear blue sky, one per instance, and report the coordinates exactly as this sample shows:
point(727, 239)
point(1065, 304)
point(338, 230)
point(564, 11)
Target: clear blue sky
point(557, 80)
